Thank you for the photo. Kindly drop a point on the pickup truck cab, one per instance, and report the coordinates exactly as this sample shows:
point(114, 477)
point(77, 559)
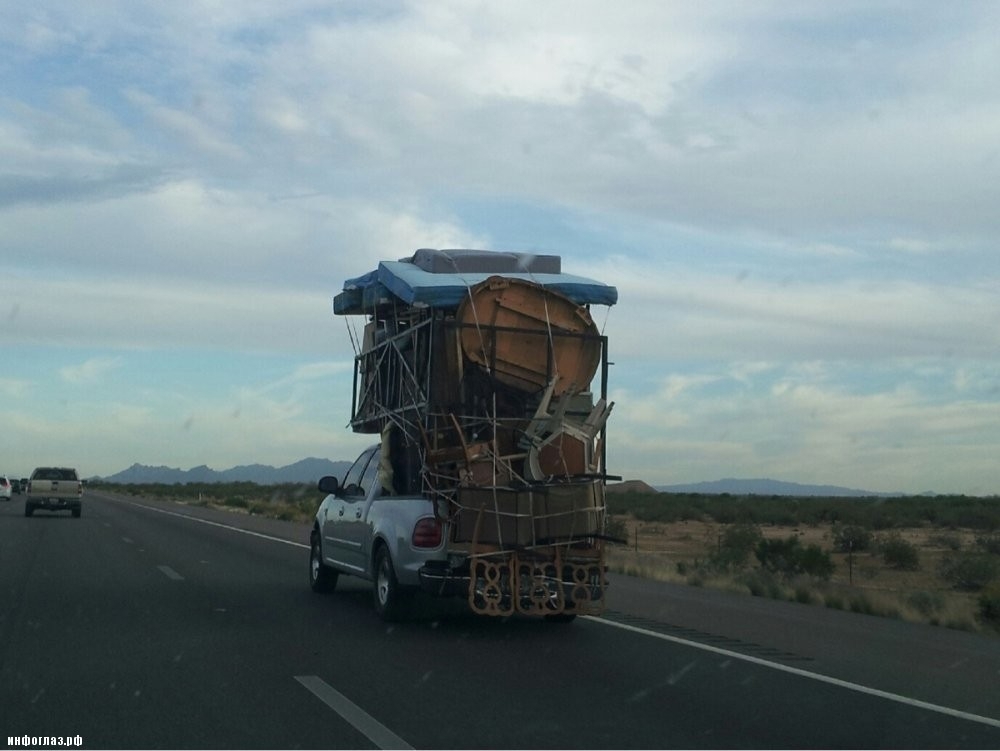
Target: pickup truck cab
point(54, 489)
point(362, 529)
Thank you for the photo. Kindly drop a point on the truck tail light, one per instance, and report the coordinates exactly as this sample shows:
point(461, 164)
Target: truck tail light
point(427, 533)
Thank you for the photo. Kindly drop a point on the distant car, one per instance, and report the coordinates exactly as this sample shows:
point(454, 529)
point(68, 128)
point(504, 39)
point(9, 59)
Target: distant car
point(5, 488)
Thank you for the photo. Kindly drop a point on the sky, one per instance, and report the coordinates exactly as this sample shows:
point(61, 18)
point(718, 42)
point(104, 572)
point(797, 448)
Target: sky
point(798, 203)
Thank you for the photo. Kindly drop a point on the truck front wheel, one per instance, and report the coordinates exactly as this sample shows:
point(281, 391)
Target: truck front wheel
point(389, 598)
point(322, 578)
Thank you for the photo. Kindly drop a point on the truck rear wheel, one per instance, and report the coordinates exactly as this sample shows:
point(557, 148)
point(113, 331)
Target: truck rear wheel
point(28, 509)
point(560, 617)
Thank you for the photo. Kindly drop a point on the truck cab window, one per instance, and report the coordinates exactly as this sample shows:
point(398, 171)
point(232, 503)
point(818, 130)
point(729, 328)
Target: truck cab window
point(354, 480)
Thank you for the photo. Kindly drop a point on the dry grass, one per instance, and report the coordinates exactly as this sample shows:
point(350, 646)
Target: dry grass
point(678, 552)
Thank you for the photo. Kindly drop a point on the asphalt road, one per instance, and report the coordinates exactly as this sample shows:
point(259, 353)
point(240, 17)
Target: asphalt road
point(153, 625)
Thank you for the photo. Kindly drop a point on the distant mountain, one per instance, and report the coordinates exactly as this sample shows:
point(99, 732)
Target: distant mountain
point(630, 486)
point(734, 486)
point(304, 471)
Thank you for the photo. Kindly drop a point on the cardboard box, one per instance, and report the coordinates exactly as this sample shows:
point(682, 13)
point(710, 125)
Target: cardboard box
point(530, 516)
point(506, 516)
point(570, 511)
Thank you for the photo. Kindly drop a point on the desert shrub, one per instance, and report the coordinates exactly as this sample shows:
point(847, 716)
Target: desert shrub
point(789, 558)
point(989, 605)
point(950, 542)
point(924, 602)
point(970, 572)
point(236, 501)
point(898, 553)
point(833, 600)
point(861, 604)
point(849, 537)
point(816, 562)
point(762, 583)
point(989, 543)
point(617, 530)
point(735, 545)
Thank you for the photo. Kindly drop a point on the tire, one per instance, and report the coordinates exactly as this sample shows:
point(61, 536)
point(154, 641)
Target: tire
point(28, 509)
point(390, 599)
point(322, 578)
point(77, 512)
point(561, 617)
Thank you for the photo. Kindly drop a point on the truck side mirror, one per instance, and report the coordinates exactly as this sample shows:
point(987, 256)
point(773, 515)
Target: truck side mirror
point(329, 485)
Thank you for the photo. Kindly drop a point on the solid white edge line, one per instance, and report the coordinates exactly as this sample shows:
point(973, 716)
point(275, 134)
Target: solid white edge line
point(355, 716)
point(804, 673)
point(210, 523)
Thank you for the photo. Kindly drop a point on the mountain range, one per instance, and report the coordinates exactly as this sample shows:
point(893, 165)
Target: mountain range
point(304, 471)
point(734, 486)
point(311, 469)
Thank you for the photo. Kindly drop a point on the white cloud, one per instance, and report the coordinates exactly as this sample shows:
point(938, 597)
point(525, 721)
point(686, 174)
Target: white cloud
point(90, 371)
point(14, 388)
point(898, 436)
point(775, 191)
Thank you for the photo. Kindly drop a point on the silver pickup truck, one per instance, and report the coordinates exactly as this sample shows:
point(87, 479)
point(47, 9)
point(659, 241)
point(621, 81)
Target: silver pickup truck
point(54, 489)
point(400, 545)
point(485, 376)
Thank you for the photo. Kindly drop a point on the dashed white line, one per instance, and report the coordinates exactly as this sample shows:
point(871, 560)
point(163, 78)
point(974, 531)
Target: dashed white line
point(170, 573)
point(363, 722)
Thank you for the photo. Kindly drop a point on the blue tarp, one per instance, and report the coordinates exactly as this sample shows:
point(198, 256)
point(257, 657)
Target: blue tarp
point(405, 282)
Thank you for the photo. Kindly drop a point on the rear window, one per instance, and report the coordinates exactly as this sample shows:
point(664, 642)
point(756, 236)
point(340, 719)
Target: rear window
point(53, 473)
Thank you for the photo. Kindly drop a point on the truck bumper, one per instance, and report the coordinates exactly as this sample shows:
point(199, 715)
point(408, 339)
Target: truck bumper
point(439, 579)
point(54, 504)
point(505, 586)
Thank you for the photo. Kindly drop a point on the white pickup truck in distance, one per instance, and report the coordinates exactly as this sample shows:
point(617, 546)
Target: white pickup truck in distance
point(54, 489)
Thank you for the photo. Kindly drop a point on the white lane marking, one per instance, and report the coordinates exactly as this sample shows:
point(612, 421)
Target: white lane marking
point(127, 539)
point(363, 722)
point(213, 524)
point(805, 674)
point(170, 573)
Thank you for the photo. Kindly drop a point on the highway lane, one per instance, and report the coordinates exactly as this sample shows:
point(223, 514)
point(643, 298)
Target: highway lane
point(136, 627)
